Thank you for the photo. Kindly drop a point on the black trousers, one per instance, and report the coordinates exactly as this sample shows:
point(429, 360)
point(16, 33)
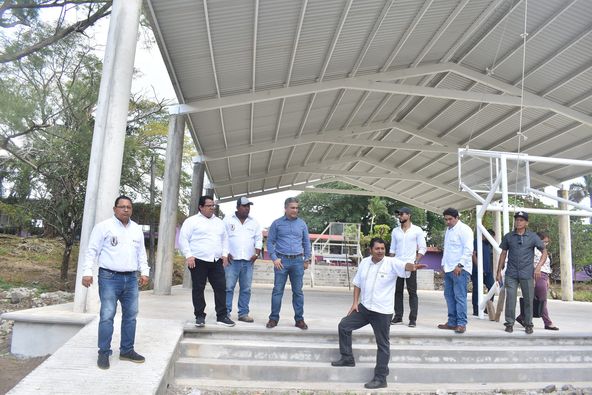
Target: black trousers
point(214, 273)
point(381, 324)
point(413, 299)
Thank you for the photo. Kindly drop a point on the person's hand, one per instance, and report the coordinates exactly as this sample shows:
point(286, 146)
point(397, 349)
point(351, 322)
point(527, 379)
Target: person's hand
point(253, 258)
point(537, 273)
point(225, 261)
point(306, 264)
point(457, 271)
point(278, 264)
point(412, 267)
point(143, 280)
point(230, 258)
point(87, 281)
point(354, 307)
point(190, 262)
point(498, 277)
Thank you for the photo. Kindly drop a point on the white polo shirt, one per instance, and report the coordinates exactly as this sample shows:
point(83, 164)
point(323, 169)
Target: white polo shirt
point(243, 238)
point(117, 247)
point(204, 238)
point(377, 283)
point(406, 244)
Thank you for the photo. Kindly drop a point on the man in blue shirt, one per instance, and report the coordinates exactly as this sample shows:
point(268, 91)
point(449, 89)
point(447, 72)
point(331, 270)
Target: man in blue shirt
point(289, 248)
point(488, 279)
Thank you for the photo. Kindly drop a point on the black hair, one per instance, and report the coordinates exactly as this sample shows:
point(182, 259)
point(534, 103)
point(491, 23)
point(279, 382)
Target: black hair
point(451, 211)
point(122, 197)
point(202, 200)
point(376, 240)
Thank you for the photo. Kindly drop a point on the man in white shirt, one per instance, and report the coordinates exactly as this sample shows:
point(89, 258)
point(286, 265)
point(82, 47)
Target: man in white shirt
point(204, 243)
point(244, 244)
point(409, 245)
point(374, 284)
point(118, 244)
point(458, 265)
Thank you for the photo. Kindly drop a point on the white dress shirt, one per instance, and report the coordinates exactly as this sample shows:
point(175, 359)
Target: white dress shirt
point(243, 238)
point(458, 248)
point(406, 244)
point(377, 283)
point(118, 247)
point(203, 238)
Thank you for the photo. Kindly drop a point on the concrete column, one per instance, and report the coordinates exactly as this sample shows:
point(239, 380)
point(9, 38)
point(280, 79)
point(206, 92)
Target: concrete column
point(497, 227)
point(104, 171)
point(163, 277)
point(565, 250)
point(196, 189)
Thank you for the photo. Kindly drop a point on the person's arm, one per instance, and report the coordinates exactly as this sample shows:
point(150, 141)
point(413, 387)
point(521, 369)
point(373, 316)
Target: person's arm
point(466, 237)
point(356, 302)
point(142, 260)
point(500, 265)
point(393, 244)
point(258, 242)
point(537, 270)
point(224, 237)
point(422, 246)
point(184, 238)
point(271, 240)
point(306, 245)
point(92, 252)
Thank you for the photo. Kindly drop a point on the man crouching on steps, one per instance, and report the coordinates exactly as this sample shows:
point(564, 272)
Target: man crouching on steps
point(374, 286)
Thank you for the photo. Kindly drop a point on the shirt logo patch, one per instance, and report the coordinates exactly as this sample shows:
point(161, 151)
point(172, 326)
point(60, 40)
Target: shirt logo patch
point(232, 227)
point(114, 241)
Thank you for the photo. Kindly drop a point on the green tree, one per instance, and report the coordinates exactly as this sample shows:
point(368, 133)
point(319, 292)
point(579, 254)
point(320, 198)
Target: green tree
point(580, 191)
point(378, 209)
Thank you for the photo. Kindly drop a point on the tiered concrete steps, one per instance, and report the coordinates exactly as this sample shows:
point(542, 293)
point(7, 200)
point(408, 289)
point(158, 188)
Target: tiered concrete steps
point(287, 358)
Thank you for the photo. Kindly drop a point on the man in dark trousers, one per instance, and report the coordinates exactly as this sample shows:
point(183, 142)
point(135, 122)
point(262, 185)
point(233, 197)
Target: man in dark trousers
point(488, 279)
point(374, 284)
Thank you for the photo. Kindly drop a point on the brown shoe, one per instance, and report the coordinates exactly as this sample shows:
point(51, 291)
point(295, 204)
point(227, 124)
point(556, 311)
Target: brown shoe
point(301, 324)
point(271, 324)
point(460, 329)
point(446, 326)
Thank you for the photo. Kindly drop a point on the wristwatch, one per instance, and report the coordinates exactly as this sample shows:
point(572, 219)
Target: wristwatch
point(460, 265)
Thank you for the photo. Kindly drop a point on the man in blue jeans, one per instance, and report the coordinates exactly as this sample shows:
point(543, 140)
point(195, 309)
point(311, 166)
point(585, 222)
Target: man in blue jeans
point(118, 244)
point(289, 248)
point(244, 246)
point(457, 265)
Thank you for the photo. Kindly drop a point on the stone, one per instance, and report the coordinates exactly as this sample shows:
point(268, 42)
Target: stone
point(568, 387)
point(550, 388)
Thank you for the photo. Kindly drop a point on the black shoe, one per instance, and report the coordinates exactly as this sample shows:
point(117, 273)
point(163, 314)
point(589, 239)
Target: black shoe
point(509, 328)
point(375, 383)
point(344, 362)
point(412, 324)
point(520, 321)
point(103, 361)
point(528, 330)
point(396, 321)
point(225, 322)
point(200, 322)
point(132, 356)
point(551, 328)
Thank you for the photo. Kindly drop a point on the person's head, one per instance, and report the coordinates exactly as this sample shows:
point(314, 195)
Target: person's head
point(377, 249)
point(403, 214)
point(123, 208)
point(206, 206)
point(520, 220)
point(451, 217)
point(291, 207)
point(544, 236)
point(243, 207)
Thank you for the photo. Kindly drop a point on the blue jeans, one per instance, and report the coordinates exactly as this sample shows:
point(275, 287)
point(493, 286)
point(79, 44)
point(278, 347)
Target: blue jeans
point(455, 293)
point(113, 287)
point(241, 271)
point(293, 268)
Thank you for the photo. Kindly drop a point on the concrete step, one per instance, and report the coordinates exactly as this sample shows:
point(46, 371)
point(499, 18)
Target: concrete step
point(295, 371)
point(186, 385)
point(249, 350)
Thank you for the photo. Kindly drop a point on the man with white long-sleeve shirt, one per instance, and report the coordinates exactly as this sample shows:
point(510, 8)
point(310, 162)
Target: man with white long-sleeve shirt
point(118, 245)
point(458, 265)
point(244, 243)
point(409, 245)
point(373, 304)
point(204, 243)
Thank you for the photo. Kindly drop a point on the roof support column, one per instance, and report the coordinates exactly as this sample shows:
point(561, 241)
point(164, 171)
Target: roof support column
point(565, 250)
point(104, 171)
point(167, 230)
point(197, 183)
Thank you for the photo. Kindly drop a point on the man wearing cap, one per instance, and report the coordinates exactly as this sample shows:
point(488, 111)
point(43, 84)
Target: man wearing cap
point(518, 246)
point(289, 248)
point(409, 245)
point(244, 246)
point(204, 243)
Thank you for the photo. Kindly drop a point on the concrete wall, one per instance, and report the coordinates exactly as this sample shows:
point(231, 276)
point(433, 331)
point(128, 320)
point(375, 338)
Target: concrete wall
point(332, 276)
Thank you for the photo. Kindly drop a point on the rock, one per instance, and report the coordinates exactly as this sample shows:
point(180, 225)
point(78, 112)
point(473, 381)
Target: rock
point(568, 387)
point(550, 388)
point(18, 294)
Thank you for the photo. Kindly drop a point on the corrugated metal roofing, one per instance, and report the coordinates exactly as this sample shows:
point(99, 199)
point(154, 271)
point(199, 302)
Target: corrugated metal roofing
point(302, 130)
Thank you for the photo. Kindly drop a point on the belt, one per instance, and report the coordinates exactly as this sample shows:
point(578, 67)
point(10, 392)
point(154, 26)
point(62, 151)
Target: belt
point(114, 272)
point(289, 256)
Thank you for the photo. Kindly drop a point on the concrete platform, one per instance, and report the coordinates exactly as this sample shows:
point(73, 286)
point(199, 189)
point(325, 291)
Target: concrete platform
point(72, 368)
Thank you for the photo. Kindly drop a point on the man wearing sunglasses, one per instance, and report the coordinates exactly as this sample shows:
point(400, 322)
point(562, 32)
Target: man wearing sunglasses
point(518, 246)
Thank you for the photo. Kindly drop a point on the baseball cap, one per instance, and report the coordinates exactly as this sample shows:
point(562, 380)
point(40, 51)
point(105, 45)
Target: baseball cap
point(522, 214)
point(403, 210)
point(243, 201)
